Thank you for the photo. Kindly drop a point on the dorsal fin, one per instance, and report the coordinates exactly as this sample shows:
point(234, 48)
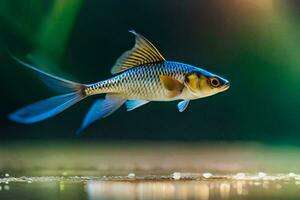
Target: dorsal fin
point(143, 52)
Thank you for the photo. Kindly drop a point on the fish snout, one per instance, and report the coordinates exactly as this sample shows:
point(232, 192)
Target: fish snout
point(226, 85)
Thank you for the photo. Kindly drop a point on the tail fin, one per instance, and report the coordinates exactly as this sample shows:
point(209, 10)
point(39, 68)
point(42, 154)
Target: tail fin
point(73, 93)
point(45, 109)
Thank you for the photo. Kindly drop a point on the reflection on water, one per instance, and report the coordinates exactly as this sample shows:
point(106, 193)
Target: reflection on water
point(148, 190)
point(199, 190)
point(151, 189)
point(202, 190)
point(185, 186)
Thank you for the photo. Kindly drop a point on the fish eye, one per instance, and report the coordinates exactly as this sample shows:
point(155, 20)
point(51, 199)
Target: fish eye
point(215, 82)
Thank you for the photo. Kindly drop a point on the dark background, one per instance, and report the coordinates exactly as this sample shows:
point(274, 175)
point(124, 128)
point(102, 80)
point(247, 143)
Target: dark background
point(253, 43)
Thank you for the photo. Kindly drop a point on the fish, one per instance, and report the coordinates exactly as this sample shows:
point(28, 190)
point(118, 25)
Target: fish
point(140, 75)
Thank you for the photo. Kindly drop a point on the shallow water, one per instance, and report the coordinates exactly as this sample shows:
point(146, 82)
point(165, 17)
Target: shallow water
point(58, 170)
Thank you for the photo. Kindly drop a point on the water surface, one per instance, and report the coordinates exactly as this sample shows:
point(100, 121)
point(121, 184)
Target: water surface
point(121, 171)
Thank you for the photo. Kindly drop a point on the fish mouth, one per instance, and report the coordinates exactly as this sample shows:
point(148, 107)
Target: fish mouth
point(226, 86)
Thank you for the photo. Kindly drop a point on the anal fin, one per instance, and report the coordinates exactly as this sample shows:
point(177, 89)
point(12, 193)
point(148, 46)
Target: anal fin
point(133, 104)
point(101, 109)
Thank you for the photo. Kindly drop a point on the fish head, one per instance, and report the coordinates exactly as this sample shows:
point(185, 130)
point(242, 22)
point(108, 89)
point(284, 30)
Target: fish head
point(202, 83)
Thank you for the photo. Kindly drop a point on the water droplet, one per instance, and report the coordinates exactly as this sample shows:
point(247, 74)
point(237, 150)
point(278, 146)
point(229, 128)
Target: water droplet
point(292, 175)
point(297, 178)
point(207, 175)
point(262, 174)
point(240, 176)
point(176, 175)
point(131, 175)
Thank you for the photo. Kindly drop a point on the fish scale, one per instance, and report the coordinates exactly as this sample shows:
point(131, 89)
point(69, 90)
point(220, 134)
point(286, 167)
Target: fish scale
point(143, 82)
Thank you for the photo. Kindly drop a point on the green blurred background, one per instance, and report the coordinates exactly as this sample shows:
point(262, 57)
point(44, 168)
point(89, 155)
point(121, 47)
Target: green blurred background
point(253, 43)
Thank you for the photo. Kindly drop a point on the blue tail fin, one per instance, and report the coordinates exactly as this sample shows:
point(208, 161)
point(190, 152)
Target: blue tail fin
point(73, 93)
point(45, 109)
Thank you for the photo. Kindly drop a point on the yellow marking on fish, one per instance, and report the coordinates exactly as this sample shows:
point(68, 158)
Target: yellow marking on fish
point(172, 85)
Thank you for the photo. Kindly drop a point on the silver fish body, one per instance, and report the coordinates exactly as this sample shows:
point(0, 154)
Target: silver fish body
point(141, 75)
point(143, 82)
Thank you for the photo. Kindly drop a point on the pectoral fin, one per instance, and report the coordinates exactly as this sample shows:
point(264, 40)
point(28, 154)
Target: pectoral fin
point(171, 84)
point(182, 105)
